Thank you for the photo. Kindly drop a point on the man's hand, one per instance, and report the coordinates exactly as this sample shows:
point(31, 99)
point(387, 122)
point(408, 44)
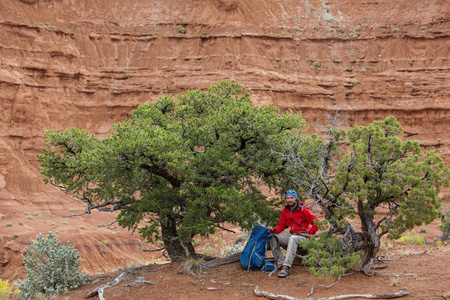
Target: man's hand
point(270, 229)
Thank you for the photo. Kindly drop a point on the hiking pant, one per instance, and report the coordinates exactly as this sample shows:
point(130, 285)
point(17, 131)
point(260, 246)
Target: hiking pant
point(290, 243)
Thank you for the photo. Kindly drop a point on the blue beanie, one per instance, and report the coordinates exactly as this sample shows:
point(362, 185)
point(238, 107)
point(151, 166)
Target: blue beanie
point(291, 193)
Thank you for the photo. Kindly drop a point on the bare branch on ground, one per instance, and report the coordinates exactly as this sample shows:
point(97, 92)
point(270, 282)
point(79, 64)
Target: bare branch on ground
point(326, 286)
point(138, 281)
point(367, 296)
point(99, 290)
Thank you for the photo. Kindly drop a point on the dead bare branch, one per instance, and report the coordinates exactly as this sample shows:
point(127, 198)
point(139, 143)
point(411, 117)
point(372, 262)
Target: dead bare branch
point(367, 296)
point(145, 250)
point(226, 229)
point(99, 290)
point(327, 287)
point(138, 281)
point(392, 275)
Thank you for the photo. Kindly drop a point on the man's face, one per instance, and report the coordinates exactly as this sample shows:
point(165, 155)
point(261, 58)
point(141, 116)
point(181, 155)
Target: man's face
point(291, 201)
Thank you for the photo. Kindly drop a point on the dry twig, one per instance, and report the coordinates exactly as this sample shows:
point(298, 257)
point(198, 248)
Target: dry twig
point(367, 296)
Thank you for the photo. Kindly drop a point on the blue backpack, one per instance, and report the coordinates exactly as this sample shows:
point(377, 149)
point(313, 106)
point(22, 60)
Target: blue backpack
point(254, 255)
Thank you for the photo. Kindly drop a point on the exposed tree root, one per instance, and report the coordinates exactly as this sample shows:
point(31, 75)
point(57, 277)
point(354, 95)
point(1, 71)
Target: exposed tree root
point(223, 260)
point(379, 267)
point(367, 296)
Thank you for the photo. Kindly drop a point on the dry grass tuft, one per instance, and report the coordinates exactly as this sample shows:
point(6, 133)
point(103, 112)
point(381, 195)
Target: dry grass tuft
point(193, 265)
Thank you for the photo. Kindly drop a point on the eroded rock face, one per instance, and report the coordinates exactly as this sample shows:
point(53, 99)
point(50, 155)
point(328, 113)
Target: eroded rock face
point(88, 63)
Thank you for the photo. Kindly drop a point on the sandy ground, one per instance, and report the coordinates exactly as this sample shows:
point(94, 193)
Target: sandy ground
point(421, 271)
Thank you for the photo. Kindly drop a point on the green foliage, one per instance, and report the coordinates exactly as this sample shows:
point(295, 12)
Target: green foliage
point(6, 290)
point(445, 227)
point(316, 64)
point(184, 166)
point(328, 256)
point(381, 169)
point(51, 268)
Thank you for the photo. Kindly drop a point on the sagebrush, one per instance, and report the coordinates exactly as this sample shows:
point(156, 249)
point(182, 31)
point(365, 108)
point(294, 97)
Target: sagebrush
point(52, 268)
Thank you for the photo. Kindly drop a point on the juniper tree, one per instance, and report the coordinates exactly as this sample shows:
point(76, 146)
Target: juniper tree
point(177, 167)
point(360, 173)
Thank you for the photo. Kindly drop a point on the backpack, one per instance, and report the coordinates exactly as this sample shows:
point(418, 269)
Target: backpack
point(254, 255)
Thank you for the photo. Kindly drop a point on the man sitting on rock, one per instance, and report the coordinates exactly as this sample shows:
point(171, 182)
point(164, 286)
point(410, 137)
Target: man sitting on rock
point(300, 219)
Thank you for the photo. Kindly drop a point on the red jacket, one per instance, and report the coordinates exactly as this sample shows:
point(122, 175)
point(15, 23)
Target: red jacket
point(300, 220)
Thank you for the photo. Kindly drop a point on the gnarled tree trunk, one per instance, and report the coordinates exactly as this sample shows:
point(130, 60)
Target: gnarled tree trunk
point(370, 241)
point(175, 247)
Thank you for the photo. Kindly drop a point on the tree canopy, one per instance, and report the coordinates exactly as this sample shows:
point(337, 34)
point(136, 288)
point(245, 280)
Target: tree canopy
point(177, 167)
point(363, 172)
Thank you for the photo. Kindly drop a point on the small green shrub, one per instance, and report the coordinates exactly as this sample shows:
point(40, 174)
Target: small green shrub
point(181, 29)
point(422, 229)
point(29, 217)
point(445, 227)
point(408, 85)
point(412, 238)
point(355, 82)
point(327, 256)
point(267, 85)
point(296, 28)
point(51, 268)
point(16, 235)
point(316, 64)
point(9, 224)
point(395, 29)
